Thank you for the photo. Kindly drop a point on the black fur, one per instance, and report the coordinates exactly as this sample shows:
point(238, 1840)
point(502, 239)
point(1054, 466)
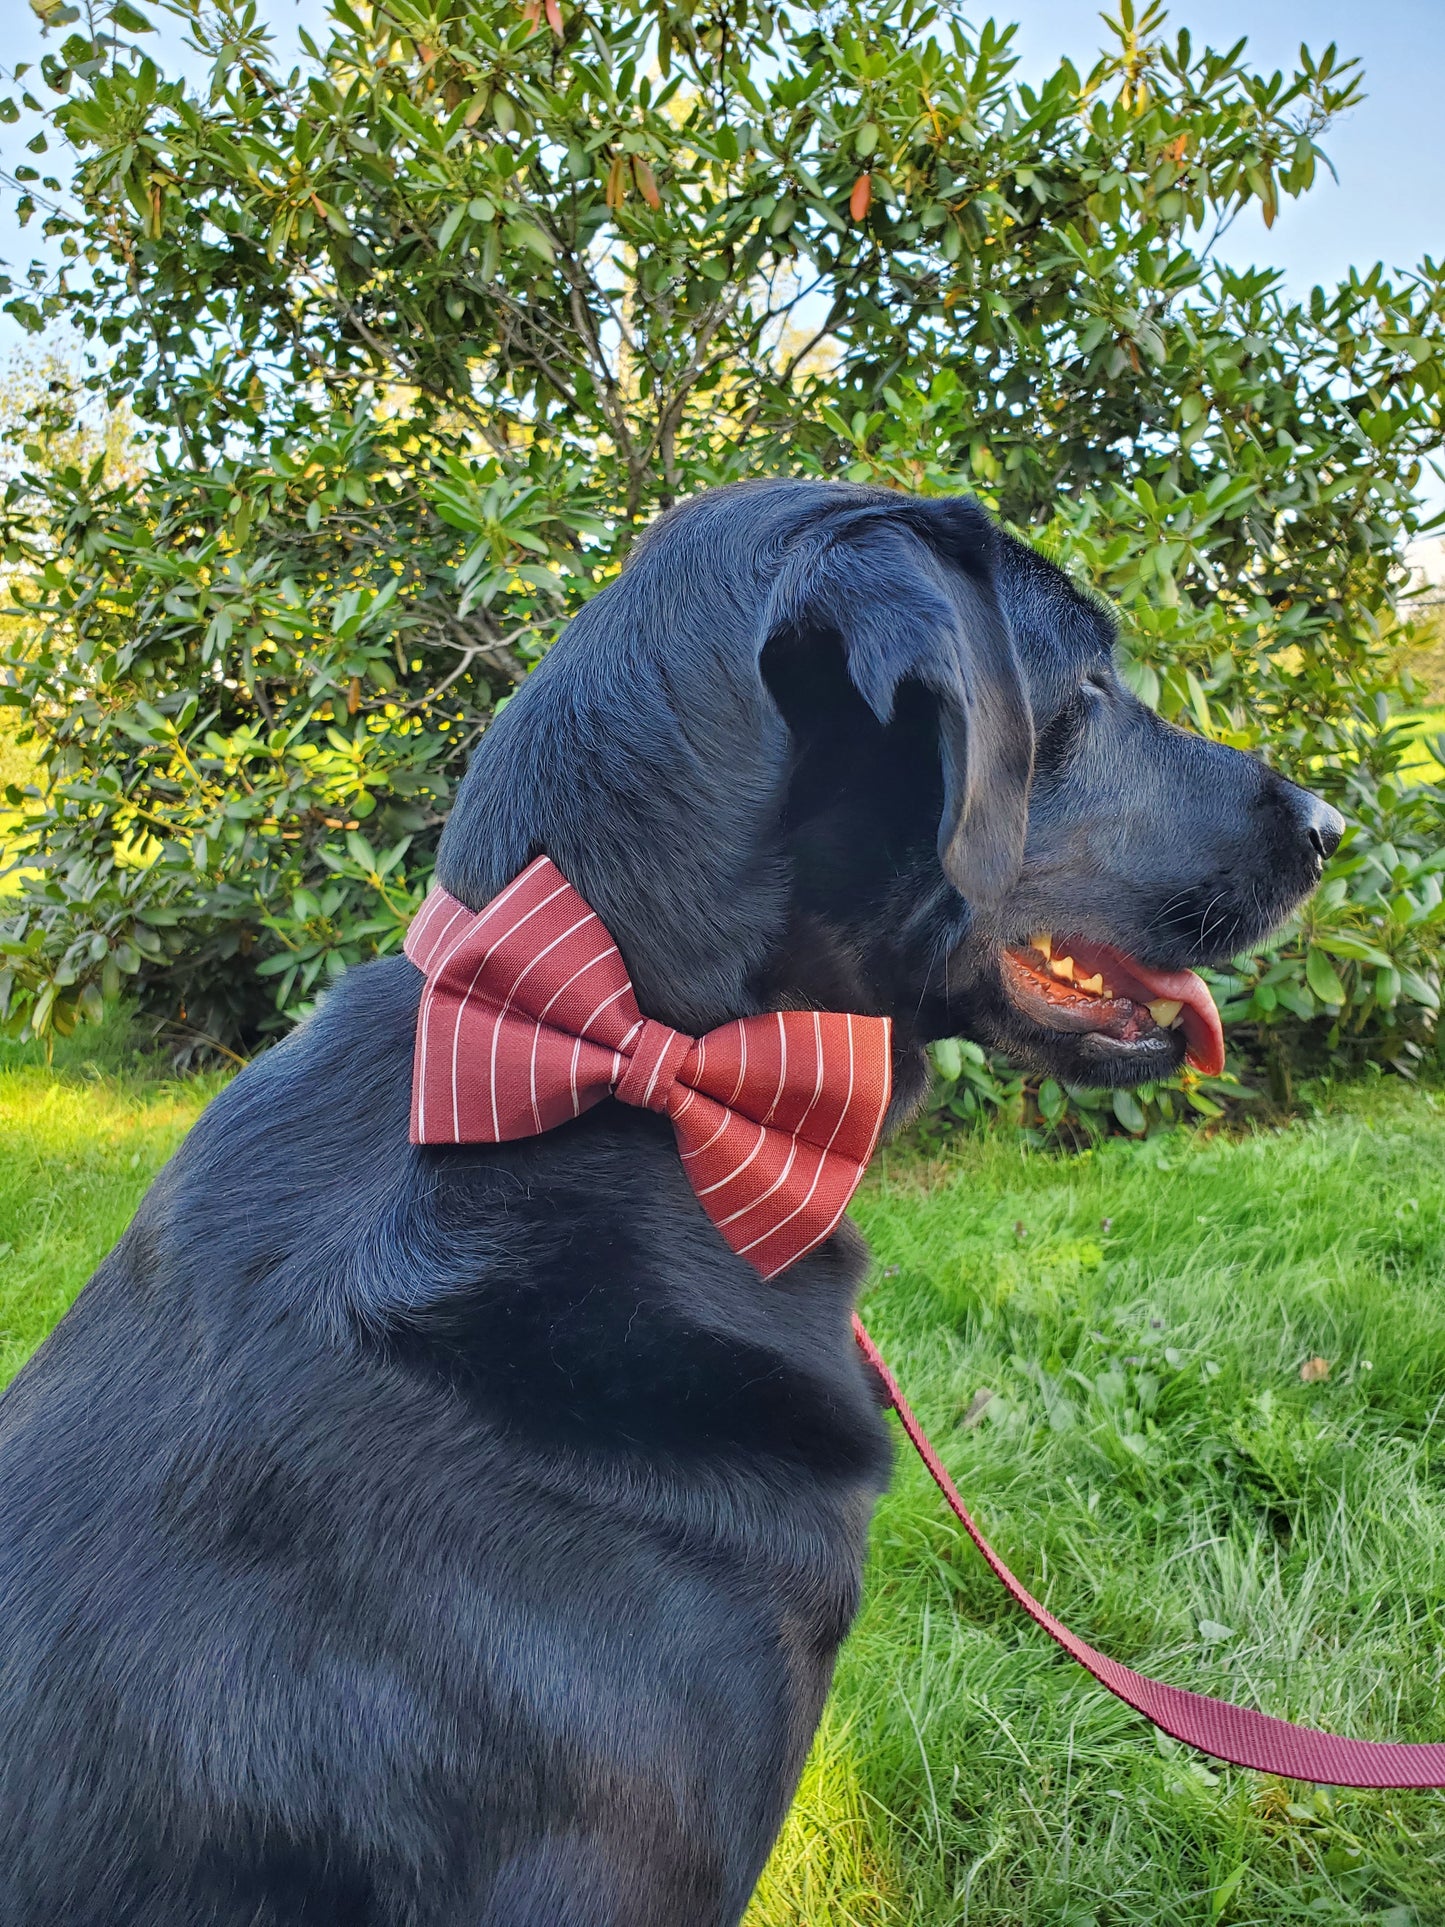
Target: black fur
point(410, 1538)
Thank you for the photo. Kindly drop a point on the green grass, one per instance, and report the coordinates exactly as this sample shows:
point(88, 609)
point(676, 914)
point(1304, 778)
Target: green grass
point(78, 1146)
point(1150, 1462)
point(1153, 1466)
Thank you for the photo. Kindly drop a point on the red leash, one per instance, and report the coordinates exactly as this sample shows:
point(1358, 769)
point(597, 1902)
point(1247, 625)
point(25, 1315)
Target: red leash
point(1233, 1733)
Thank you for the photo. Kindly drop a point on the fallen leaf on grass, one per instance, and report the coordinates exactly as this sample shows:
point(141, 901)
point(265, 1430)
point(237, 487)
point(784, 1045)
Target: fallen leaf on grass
point(1314, 1369)
point(977, 1405)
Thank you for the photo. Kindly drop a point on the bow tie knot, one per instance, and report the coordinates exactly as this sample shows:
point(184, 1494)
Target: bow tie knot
point(528, 1018)
point(652, 1058)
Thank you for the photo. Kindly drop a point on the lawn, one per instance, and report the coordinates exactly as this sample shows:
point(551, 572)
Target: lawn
point(1150, 1460)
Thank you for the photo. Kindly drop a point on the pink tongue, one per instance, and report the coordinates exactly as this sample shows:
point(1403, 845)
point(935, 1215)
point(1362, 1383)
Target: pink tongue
point(1203, 1032)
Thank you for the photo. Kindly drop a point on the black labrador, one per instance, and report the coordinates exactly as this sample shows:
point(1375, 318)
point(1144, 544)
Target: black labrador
point(463, 1537)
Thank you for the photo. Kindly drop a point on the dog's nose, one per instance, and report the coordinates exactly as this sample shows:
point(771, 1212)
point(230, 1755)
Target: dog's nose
point(1322, 824)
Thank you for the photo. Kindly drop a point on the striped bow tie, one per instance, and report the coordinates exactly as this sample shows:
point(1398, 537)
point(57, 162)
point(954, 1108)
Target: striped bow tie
point(528, 1018)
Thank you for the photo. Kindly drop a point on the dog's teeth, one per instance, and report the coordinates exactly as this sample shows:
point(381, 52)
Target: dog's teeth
point(1043, 943)
point(1094, 985)
point(1165, 1012)
point(1062, 967)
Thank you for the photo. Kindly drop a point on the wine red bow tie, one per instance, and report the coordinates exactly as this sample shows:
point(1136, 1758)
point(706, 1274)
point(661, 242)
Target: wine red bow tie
point(528, 1018)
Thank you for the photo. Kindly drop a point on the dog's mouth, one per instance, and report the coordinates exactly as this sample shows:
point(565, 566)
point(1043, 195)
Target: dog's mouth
point(1072, 985)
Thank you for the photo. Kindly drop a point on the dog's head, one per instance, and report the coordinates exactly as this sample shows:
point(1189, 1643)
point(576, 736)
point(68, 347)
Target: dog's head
point(834, 747)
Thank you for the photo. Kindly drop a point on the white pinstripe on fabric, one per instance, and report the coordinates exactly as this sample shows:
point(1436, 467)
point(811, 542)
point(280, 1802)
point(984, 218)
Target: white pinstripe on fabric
point(782, 1068)
point(470, 992)
point(541, 1018)
point(778, 1182)
point(442, 899)
point(743, 1250)
point(817, 1174)
point(506, 1005)
point(459, 910)
point(706, 1190)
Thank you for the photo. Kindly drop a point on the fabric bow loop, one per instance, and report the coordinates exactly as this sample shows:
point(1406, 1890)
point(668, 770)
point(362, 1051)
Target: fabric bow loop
point(653, 1056)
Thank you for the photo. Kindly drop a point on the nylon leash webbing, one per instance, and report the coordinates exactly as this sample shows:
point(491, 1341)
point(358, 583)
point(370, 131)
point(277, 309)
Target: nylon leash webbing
point(1217, 1727)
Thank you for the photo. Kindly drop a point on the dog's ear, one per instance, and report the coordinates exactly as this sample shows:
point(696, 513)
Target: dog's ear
point(916, 603)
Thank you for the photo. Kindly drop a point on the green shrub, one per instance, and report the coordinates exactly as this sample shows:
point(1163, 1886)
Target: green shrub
point(418, 337)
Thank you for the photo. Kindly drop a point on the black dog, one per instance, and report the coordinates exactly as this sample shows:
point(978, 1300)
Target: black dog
point(415, 1537)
